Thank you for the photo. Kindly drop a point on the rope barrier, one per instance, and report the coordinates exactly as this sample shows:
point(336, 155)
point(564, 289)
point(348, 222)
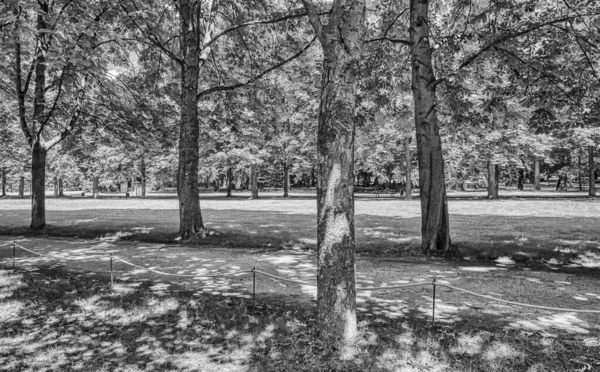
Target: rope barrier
point(517, 303)
point(182, 275)
point(254, 272)
point(57, 258)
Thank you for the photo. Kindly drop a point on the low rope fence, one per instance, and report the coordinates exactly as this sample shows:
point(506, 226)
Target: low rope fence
point(254, 271)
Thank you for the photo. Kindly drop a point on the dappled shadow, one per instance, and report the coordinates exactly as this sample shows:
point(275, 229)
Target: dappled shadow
point(58, 320)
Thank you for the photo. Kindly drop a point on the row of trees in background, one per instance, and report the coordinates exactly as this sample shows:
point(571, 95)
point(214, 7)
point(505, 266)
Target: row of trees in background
point(193, 90)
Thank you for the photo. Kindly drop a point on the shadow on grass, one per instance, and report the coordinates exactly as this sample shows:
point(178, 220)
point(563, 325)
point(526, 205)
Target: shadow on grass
point(58, 320)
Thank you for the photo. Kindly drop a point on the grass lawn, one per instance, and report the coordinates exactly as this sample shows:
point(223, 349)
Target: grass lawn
point(65, 318)
point(542, 229)
point(57, 320)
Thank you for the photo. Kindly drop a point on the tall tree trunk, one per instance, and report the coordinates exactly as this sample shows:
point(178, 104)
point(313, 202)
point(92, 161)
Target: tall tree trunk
point(229, 181)
point(143, 176)
point(38, 186)
point(188, 189)
point(520, 179)
point(95, 191)
point(55, 183)
point(3, 181)
point(408, 159)
point(253, 181)
point(286, 180)
point(342, 41)
point(435, 228)
point(493, 175)
point(60, 187)
point(536, 177)
point(592, 188)
point(579, 175)
point(21, 187)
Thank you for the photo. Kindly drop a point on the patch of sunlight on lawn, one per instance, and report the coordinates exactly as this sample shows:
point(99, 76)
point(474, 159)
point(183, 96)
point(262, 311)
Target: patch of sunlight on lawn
point(568, 322)
point(497, 353)
point(587, 259)
point(478, 269)
point(470, 344)
point(9, 310)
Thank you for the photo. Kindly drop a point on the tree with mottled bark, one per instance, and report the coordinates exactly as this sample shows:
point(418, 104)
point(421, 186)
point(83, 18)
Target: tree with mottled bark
point(342, 39)
point(435, 227)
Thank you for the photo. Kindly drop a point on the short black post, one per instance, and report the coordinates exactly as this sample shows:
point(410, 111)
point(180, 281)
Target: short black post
point(14, 248)
point(111, 271)
point(254, 286)
point(433, 312)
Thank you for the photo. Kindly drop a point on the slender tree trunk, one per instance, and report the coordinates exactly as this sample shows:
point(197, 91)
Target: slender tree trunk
point(4, 181)
point(342, 41)
point(592, 189)
point(21, 187)
point(143, 175)
point(286, 180)
point(536, 177)
point(493, 175)
point(408, 159)
point(253, 181)
point(435, 228)
point(95, 191)
point(38, 186)
point(579, 175)
point(229, 181)
point(60, 187)
point(520, 179)
point(55, 182)
point(190, 217)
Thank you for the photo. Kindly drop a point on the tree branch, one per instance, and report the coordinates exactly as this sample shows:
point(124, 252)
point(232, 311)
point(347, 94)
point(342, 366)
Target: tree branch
point(313, 17)
point(224, 88)
point(393, 41)
point(294, 14)
point(510, 36)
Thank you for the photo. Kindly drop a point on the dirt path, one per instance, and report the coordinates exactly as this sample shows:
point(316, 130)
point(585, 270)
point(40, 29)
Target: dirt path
point(504, 280)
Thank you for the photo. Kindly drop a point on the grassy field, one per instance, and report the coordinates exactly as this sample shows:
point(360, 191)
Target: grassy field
point(65, 318)
point(559, 228)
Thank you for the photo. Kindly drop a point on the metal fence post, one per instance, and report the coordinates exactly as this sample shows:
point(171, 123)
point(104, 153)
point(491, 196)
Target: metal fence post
point(14, 248)
point(111, 271)
point(254, 286)
point(433, 311)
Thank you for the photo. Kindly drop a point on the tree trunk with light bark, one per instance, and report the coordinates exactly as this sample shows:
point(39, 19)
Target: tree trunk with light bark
point(493, 175)
point(342, 40)
point(143, 176)
point(435, 228)
point(95, 191)
point(21, 187)
point(536, 176)
point(253, 181)
point(286, 180)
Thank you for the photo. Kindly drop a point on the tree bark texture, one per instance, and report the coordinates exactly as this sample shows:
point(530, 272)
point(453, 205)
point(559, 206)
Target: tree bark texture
point(4, 181)
point(229, 181)
point(493, 175)
point(408, 159)
point(143, 176)
point(95, 191)
point(342, 40)
point(592, 184)
point(188, 189)
point(38, 186)
point(536, 176)
point(286, 180)
point(55, 183)
point(60, 187)
point(253, 181)
point(435, 229)
point(579, 174)
point(21, 187)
